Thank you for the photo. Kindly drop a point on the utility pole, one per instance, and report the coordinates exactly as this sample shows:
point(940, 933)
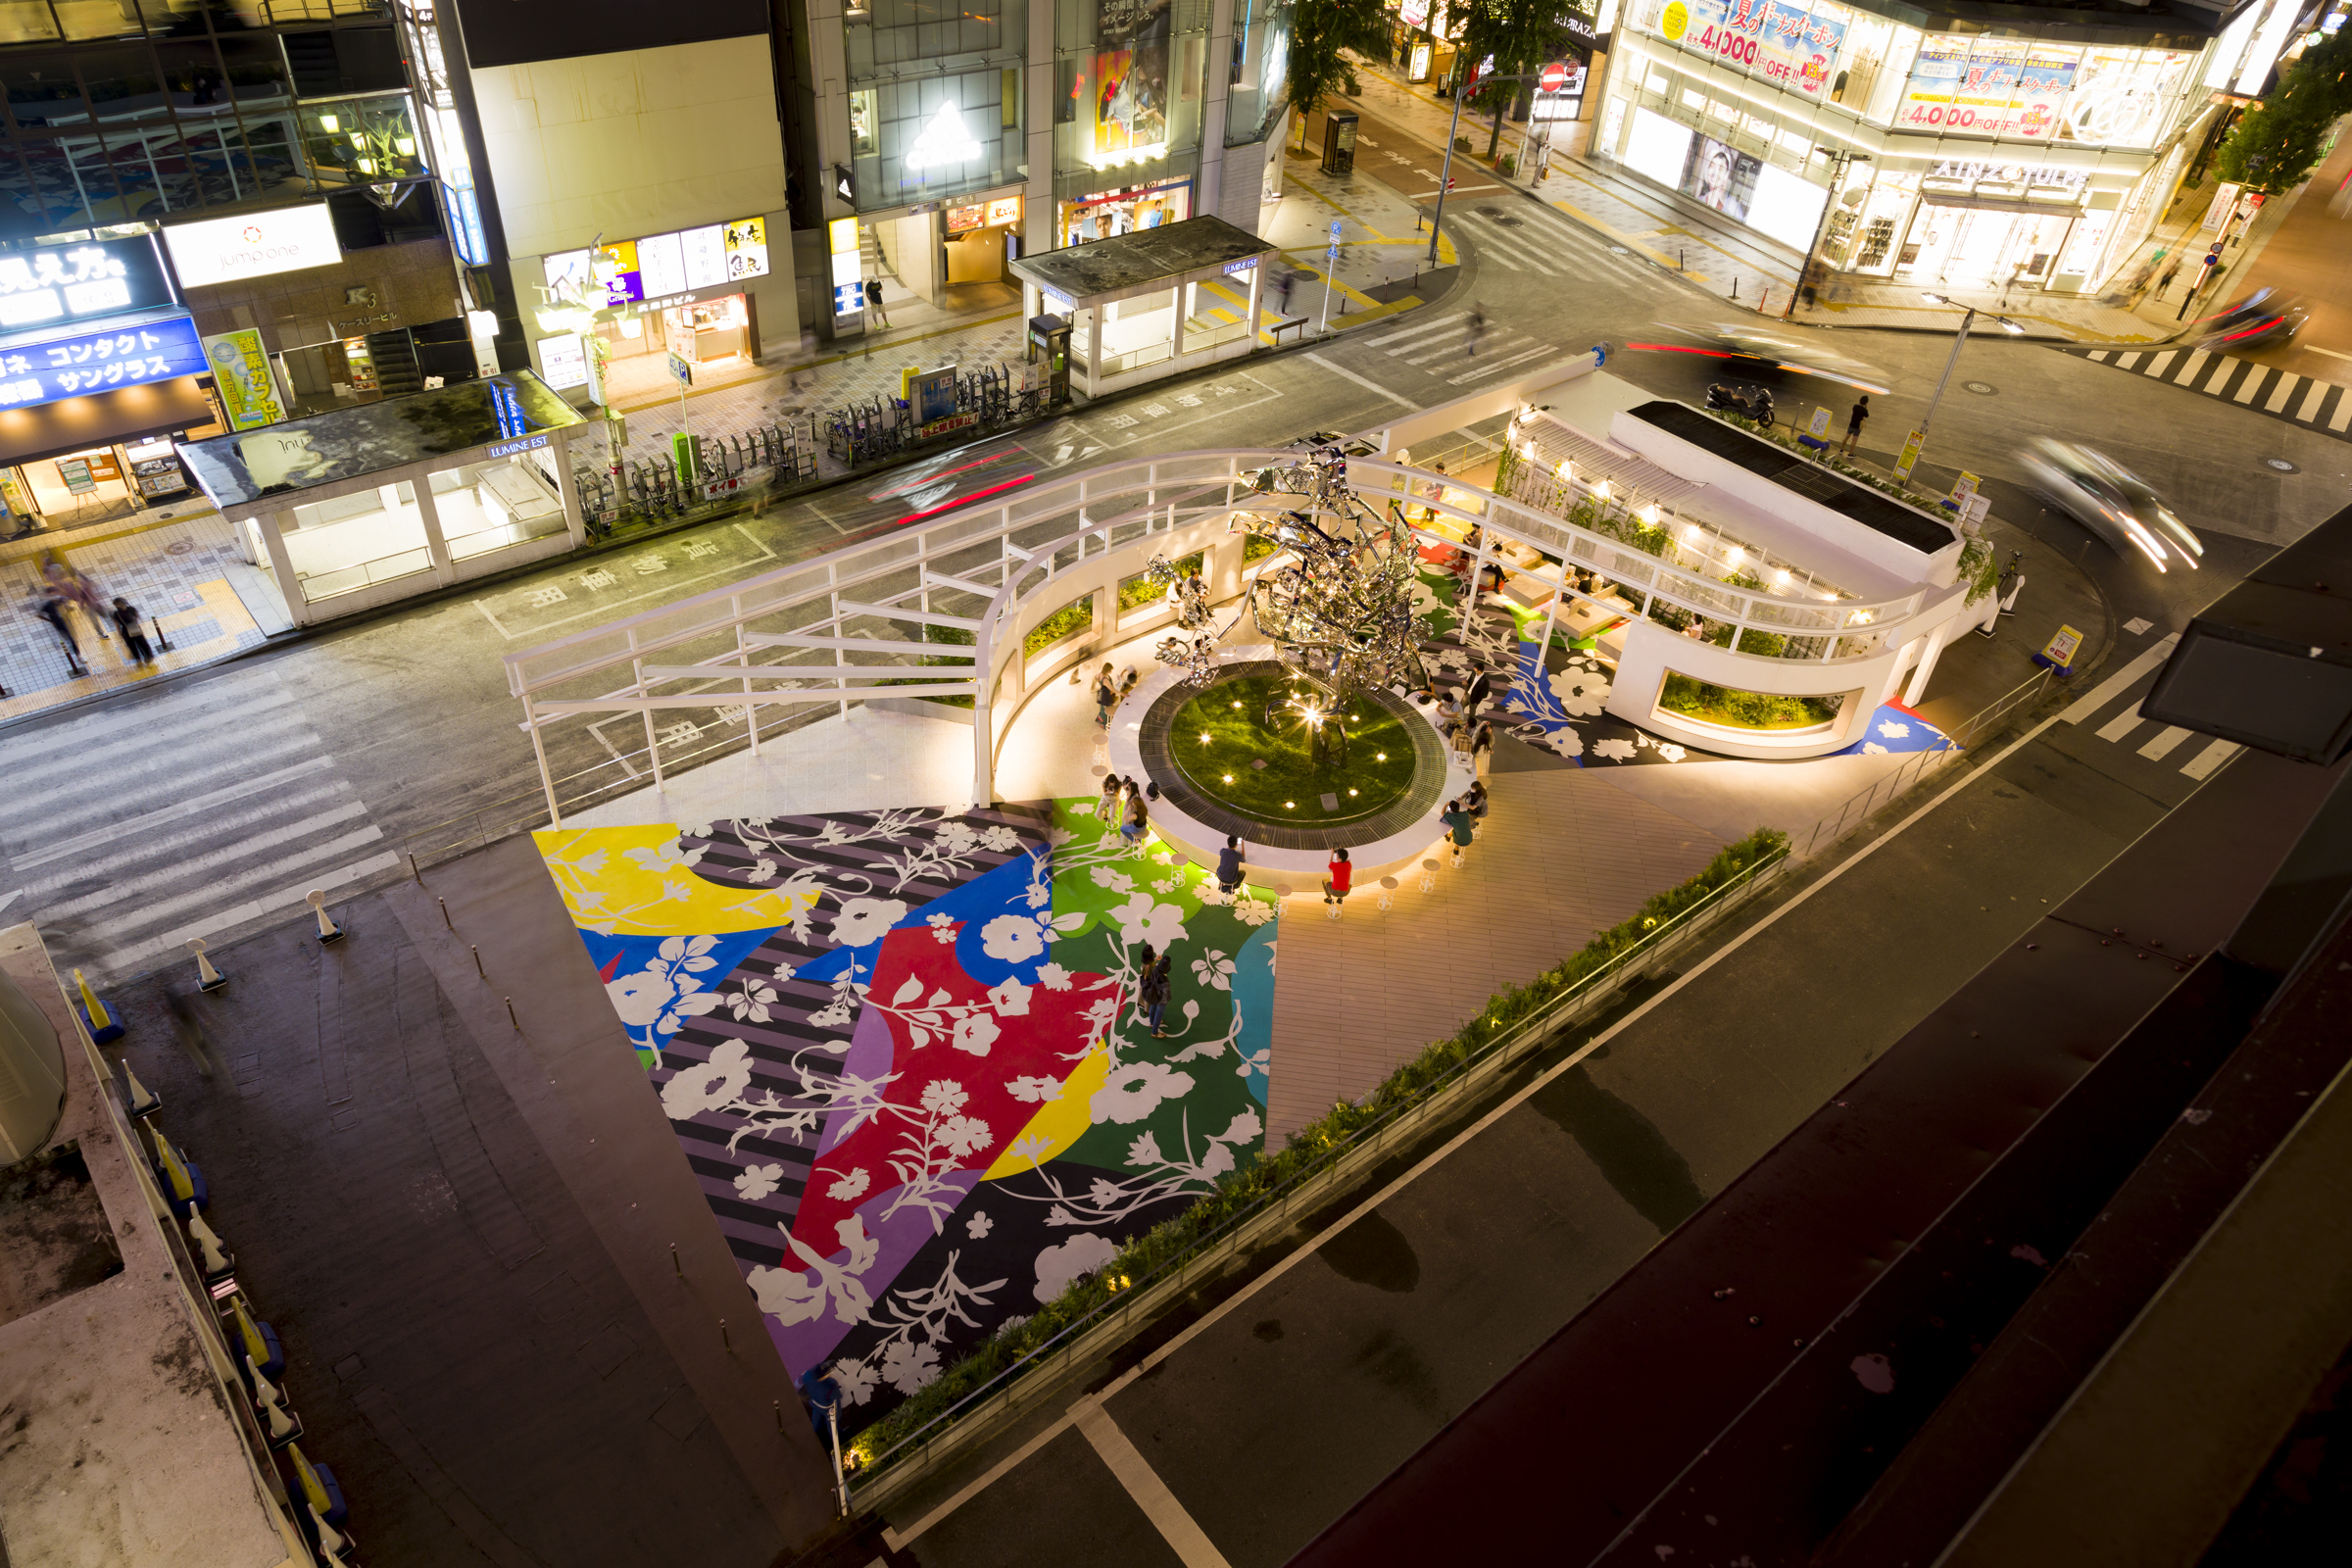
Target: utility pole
point(1839, 162)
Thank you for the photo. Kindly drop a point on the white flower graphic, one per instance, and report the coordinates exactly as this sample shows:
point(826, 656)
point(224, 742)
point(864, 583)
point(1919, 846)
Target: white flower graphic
point(1141, 919)
point(1615, 749)
point(1874, 749)
point(1117, 881)
point(1145, 1151)
point(864, 920)
point(907, 1367)
point(757, 1182)
point(715, 1085)
point(1671, 751)
point(1011, 939)
point(751, 1004)
point(1252, 911)
point(943, 926)
point(964, 1136)
point(978, 1226)
point(1135, 1091)
point(942, 1095)
point(849, 1188)
point(1001, 839)
point(661, 859)
point(1894, 731)
point(1214, 971)
point(1579, 691)
point(855, 1379)
point(1053, 977)
point(1009, 998)
point(975, 1033)
point(1036, 1090)
point(1081, 1253)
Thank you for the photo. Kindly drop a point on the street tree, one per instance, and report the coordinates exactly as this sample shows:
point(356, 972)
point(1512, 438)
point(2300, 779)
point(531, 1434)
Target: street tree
point(2274, 148)
point(1321, 34)
point(1517, 35)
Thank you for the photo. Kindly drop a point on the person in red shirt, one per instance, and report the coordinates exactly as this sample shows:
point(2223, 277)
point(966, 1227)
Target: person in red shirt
point(1335, 886)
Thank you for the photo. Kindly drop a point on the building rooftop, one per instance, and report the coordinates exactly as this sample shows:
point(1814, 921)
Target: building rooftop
point(375, 437)
point(1132, 264)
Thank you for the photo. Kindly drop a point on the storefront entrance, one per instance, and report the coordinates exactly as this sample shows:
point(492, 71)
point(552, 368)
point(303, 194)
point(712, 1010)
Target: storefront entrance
point(1978, 247)
point(1108, 215)
point(94, 484)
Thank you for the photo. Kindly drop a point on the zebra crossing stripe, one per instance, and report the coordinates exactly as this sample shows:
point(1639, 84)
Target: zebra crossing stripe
point(1419, 329)
point(1537, 352)
point(2313, 399)
point(2167, 738)
point(2201, 765)
point(2120, 726)
point(2191, 368)
point(2099, 354)
point(2256, 375)
point(2156, 365)
point(2223, 367)
point(2342, 416)
point(2286, 389)
point(2128, 360)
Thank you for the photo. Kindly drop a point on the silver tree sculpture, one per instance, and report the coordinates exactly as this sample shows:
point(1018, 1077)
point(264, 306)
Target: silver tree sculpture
point(1340, 613)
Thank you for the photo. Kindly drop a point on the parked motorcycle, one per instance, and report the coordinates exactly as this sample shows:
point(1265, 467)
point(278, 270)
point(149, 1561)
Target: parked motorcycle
point(1750, 403)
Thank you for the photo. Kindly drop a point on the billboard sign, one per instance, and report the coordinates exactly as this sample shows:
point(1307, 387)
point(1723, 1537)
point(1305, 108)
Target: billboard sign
point(230, 250)
point(240, 367)
point(83, 362)
point(62, 284)
point(1778, 41)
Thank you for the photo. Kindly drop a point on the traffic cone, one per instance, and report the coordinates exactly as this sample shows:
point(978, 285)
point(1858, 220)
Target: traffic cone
point(143, 1102)
point(255, 1342)
point(96, 1015)
point(212, 1254)
point(334, 1547)
point(208, 978)
point(319, 1489)
point(329, 931)
point(277, 1420)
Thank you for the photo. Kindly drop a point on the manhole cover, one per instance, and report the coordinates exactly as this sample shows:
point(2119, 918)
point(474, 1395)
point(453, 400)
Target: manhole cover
point(1507, 222)
point(179, 547)
point(1620, 250)
point(2281, 464)
point(1980, 388)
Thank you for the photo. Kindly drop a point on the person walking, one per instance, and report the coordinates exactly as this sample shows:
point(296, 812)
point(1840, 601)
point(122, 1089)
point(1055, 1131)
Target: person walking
point(1475, 325)
point(1229, 865)
point(1481, 687)
point(80, 590)
point(1461, 827)
point(1341, 874)
point(1106, 697)
point(2171, 270)
point(873, 300)
point(1482, 751)
point(50, 605)
point(1853, 423)
point(1153, 994)
point(1283, 286)
point(134, 640)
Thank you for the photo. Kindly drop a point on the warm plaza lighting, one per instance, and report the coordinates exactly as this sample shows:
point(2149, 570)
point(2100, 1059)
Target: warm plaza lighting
point(1600, 491)
point(1228, 778)
point(1732, 555)
point(1384, 756)
point(1287, 804)
point(1205, 739)
point(1351, 792)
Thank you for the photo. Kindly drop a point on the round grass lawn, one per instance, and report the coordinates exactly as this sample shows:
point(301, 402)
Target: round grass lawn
point(1288, 788)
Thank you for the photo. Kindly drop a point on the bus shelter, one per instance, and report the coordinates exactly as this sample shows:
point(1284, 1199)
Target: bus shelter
point(1153, 302)
point(363, 507)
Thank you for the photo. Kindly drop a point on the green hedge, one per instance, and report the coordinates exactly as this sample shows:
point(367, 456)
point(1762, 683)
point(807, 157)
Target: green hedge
point(1240, 1190)
point(1073, 617)
point(1140, 589)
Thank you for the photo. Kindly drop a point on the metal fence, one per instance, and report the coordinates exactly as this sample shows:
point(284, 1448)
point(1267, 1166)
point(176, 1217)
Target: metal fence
point(1333, 1167)
point(1984, 723)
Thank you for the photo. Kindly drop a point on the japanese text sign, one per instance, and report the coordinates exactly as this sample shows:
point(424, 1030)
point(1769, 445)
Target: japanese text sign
point(97, 362)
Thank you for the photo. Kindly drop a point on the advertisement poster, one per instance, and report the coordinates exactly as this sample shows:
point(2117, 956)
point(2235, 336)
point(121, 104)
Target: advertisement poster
point(1724, 177)
point(1781, 42)
point(99, 361)
point(747, 248)
point(240, 367)
point(1999, 87)
point(1131, 74)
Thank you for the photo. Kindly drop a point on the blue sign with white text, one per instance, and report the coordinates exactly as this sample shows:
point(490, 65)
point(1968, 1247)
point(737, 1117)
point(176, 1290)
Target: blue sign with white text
point(32, 373)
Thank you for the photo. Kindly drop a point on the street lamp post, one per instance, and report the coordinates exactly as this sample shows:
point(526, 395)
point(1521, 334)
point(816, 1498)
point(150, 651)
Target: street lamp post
point(1968, 318)
point(1839, 162)
point(1446, 169)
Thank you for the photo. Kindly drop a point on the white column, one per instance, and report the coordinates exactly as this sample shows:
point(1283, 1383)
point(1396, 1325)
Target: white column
point(1176, 322)
point(434, 545)
point(1927, 665)
point(576, 522)
point(1213, 100)
point(1257, 279)
point(272, 527)
point(1093, 349)
point(1040, 216)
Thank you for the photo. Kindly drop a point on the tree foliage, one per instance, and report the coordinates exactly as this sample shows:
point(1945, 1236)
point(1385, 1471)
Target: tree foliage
point(1321, 31)
point(2273, 149)
point(1520, 35)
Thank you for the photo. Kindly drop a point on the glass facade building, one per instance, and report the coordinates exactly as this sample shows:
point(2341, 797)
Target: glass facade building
point(2032, 156)
point(135, 112)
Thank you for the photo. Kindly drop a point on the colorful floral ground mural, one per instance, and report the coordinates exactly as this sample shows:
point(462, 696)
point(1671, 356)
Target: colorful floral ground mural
point(901, 1055)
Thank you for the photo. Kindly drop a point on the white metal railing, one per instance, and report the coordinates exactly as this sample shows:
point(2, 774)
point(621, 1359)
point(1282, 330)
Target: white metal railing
point(797, 637)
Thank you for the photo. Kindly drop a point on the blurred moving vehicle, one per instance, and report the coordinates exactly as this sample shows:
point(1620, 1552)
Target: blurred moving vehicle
point(2265, 316)
point(1753, 353)
point(2110, 501)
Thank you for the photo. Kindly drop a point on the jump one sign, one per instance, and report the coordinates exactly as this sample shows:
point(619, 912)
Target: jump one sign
point(227, 250)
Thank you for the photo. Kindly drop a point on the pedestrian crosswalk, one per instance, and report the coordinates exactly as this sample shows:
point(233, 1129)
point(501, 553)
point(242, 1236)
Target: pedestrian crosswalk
point(129, 829)
point(1441, 343)
point(2148, 738)
point(1522, 237)
point(2265, 388)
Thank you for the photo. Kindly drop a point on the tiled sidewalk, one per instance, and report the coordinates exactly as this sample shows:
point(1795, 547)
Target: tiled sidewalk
point(184, 574)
